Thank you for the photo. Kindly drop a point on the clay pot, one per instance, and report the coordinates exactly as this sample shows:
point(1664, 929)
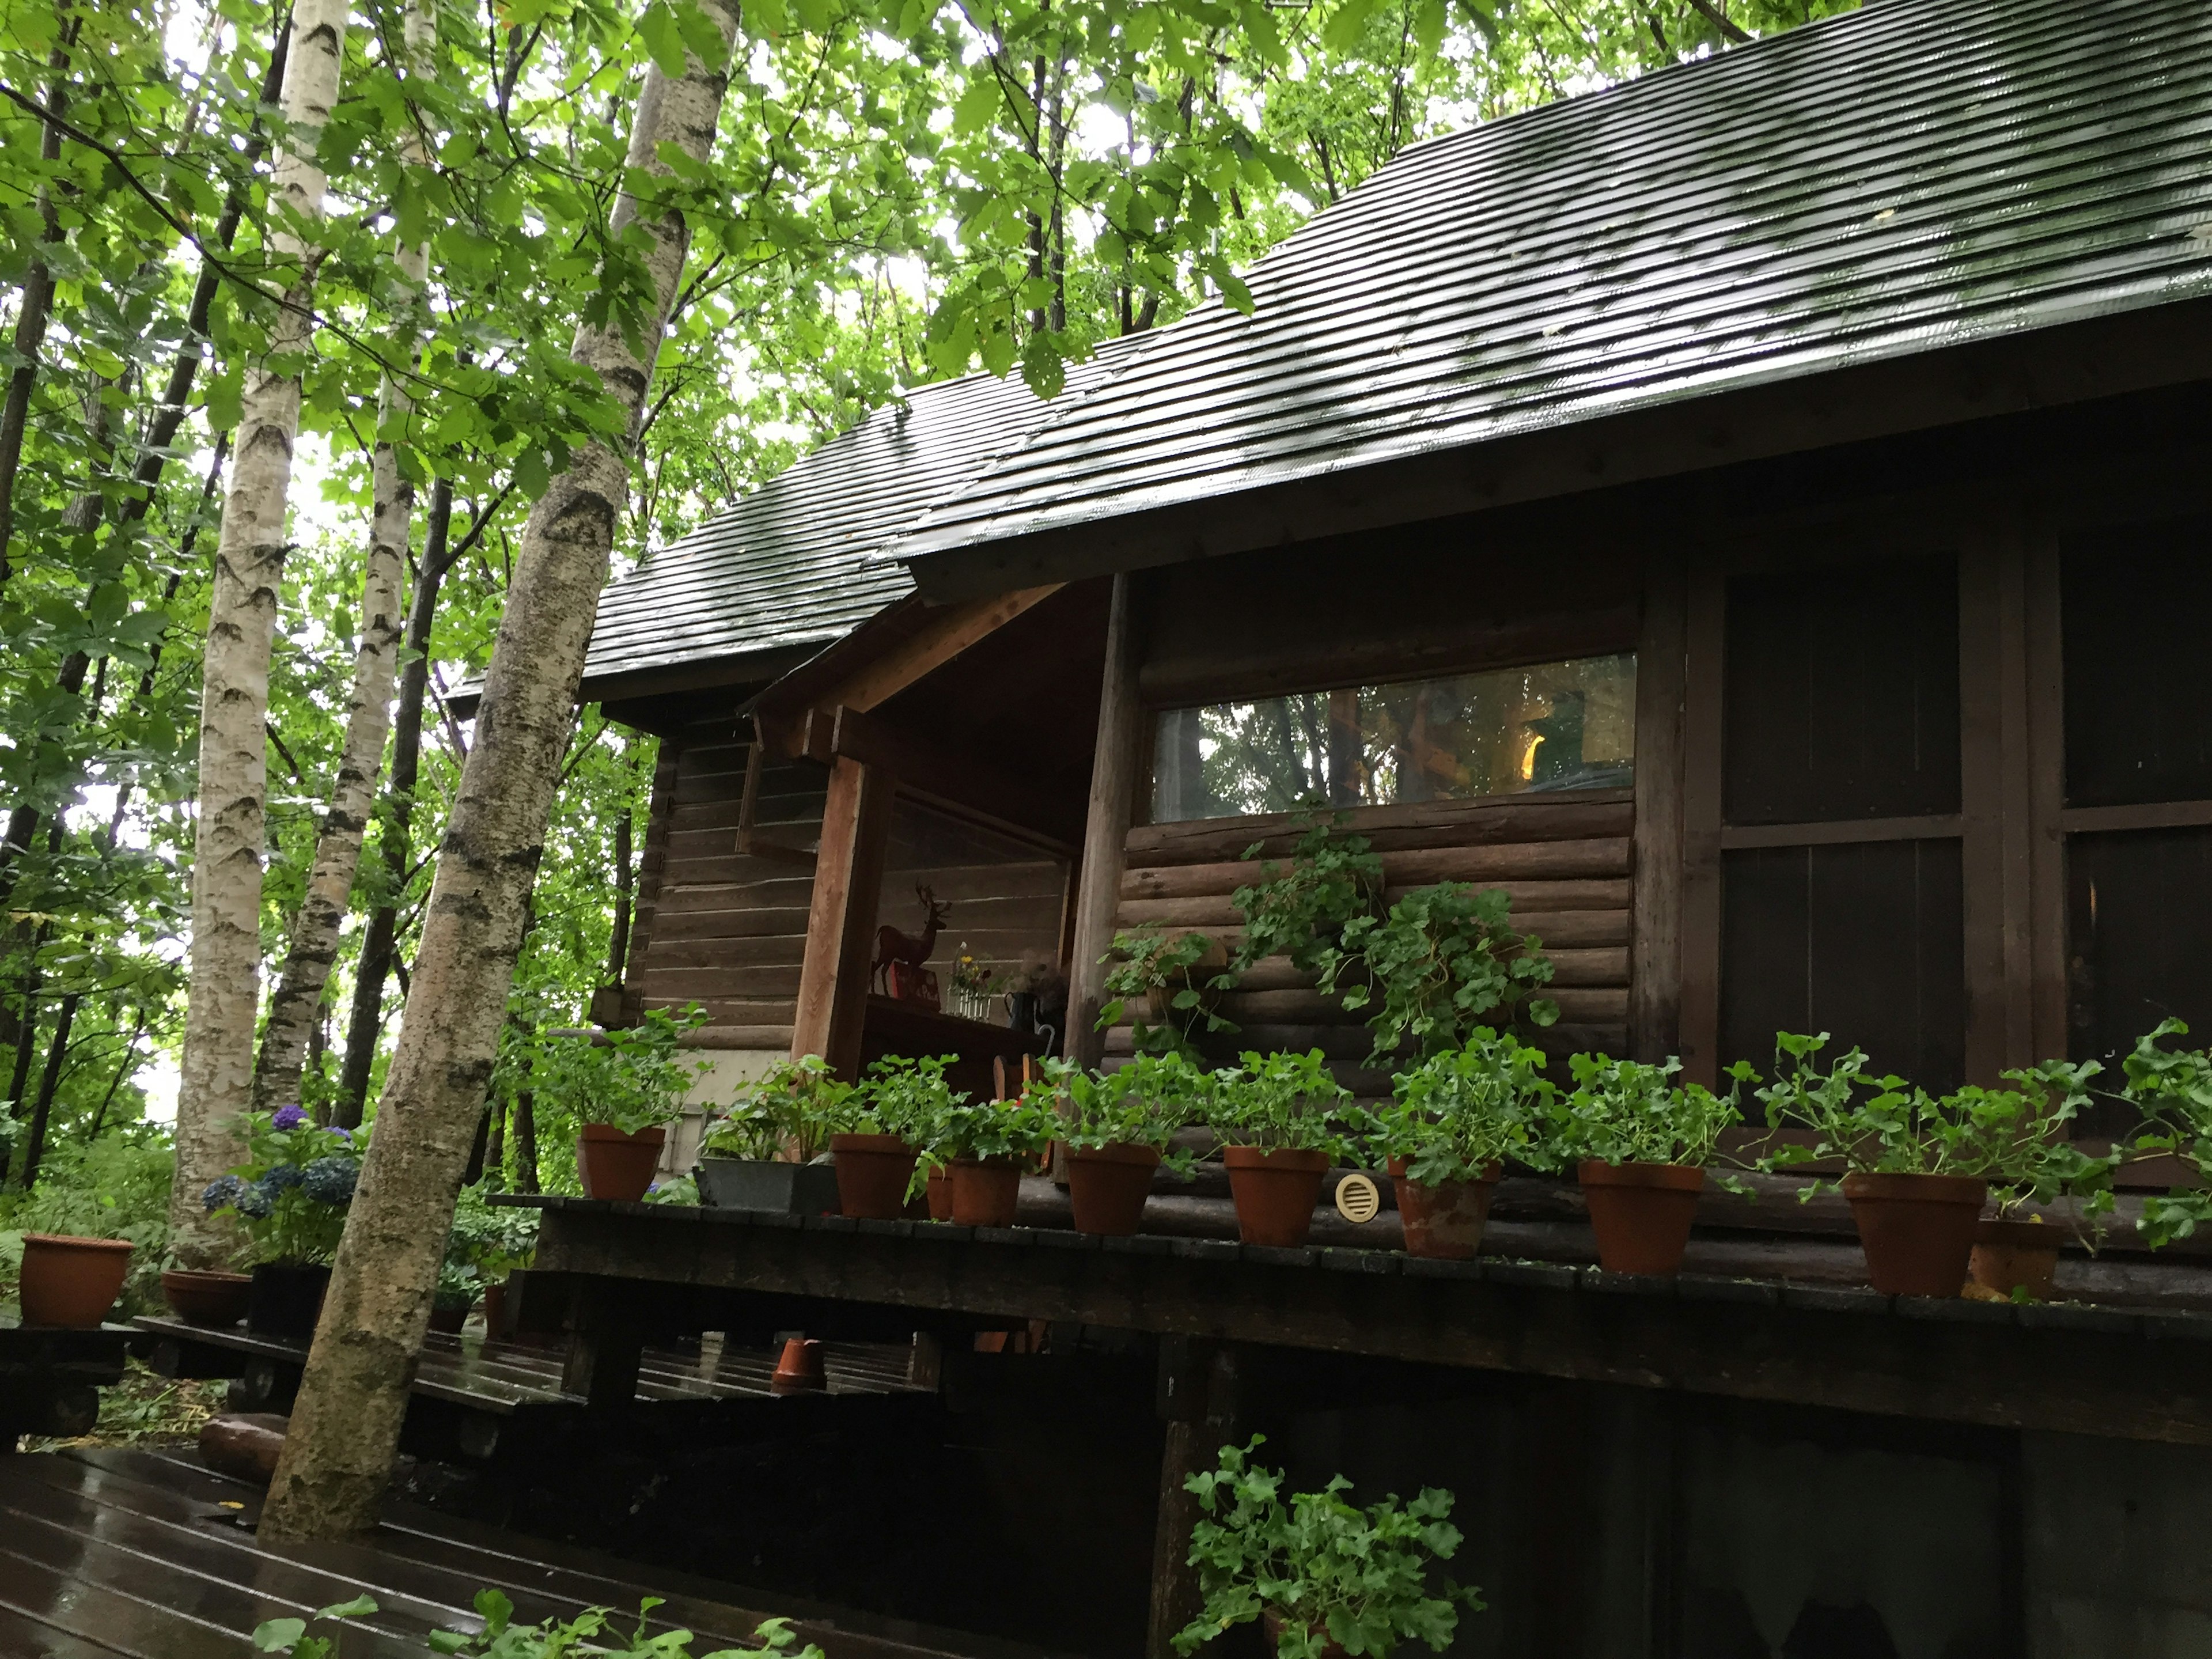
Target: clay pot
point(873, 1172)
point(2009, 1255)
point(798, 1367)
point(495, 1307)
point(940, 1194)
point(1917, 1230)
point(1446, 1221)
point(1641, 1213)
point(71, 1281)
point(1276, 1189)
point(986, 1191)
point(287, 1298)
point(449, 1316)
point(615, 1165)
point(1107, 1187)
point(213, 1300)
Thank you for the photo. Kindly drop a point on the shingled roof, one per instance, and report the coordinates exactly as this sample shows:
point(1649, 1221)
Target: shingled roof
point(1915, 175)
point(785, 571)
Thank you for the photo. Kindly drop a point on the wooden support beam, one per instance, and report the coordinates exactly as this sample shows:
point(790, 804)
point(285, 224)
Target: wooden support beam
point(945, 636)
point(841, 925)
point(1705, 674)
point(606, 1341)
point(1112, 800)
point(1655, 1011)
point(926, 766)
point(1201, 1396)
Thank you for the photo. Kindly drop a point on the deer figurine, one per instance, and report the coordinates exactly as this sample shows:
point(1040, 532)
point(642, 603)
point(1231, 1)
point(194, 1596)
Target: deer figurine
point(909, 950)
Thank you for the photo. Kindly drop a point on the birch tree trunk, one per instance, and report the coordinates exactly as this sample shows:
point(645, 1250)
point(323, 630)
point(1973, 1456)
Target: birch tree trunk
point(225, 962)
point(345, 1427)
point(294, 1008)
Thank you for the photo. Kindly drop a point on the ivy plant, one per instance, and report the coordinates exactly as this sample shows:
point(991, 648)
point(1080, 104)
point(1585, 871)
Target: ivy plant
point(1284, 1101)
point(1329, 1571)
point(1301, 909)
point(1464, 1110)
point(1442, 960)
point(785, 1110)
point(1161, 973)
point(1627, 1111)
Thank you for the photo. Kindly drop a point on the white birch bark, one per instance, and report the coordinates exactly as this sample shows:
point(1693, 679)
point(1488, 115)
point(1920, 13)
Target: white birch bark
point(345, 1426)
point(314, 947)
point(226, 948)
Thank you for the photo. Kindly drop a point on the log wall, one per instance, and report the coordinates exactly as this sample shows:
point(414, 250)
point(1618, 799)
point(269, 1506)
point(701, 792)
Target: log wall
point(1565, 861)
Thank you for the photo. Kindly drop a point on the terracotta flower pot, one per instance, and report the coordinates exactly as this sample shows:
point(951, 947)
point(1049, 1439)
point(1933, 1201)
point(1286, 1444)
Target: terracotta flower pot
point(287, 1298)
point(1276, 1189)
point(1641, 1213)
point(214, 1300)
point(495, 1307)
point(986, 1191)
point(2010, 1256)
point(939, 1183)
point(798, 1367)
point(615, 1165)
point(71, 1281)
point(1917, 1230)
point(873, 1172)
point(1445, 1220)
point(1107, 1187)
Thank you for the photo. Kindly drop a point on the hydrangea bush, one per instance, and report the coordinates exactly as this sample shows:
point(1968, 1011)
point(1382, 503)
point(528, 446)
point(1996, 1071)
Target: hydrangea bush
point(292, 1192)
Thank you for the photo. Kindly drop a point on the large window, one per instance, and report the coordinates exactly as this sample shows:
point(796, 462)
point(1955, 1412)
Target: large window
point(1555, 726)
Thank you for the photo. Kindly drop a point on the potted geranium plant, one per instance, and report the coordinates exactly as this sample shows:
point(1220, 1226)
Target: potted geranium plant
point(1639, 1142)
point(1279, 1118)
point(758, 1151)
point(291, 1196)
point(2173, 1089)
point(1119, 1127)
point(1919, 1168)
point(486, 1243)
point(1323, 1576)
point(874, 1128)
point(982, 1145)
point(1172, 981)
point(625, 1086)
point(1455, 1119)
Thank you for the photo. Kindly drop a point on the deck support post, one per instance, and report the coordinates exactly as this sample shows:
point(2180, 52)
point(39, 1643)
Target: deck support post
point(841, 926)
point(1201, 1396)
point(1106, 828)
point(606, 1341)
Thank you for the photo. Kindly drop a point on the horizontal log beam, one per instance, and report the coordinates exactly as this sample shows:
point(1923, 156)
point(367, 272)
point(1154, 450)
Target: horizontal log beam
point(1525, 860)
point(1528, 899)
point(1420, 823)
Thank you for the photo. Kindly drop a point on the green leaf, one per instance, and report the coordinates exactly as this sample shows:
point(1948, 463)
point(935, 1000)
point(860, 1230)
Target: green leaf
point(531, 474)
point(279, 1635)
point(663, 37)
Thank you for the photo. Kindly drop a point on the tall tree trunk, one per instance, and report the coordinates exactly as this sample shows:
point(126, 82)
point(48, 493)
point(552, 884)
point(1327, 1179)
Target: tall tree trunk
point(618, 935)
point(345, 1427)
point(365, 1024)
point(34, 1148)
point(495, 1149)
point(526, 1142)
point(226, 948)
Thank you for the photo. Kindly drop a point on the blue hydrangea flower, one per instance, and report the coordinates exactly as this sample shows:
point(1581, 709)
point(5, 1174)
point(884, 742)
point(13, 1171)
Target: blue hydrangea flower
point(283, 1177)
point(288, 1117)
point(222, 1193)
point(330, 1181)
point(342, 1134)
point(255, 1201)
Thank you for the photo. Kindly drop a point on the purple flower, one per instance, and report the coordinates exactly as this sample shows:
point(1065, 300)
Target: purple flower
point(342, 1134)
point(288, 1117)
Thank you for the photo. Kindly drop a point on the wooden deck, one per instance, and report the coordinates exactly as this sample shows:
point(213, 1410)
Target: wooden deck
point(107, 1552)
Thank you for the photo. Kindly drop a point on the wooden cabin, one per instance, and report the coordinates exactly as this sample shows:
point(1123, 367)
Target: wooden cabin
point(1759, 515)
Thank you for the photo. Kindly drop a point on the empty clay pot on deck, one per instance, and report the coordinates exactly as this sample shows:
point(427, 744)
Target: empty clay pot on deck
point(2015, 1255)
point(800, 1367)
point(1275, 1189)
point(1445, 1221)
point(986, 1191)
point(615, 1165)
point(873, 1172)
point(71, 1281)
point(1641, 1213)
point(1107, 1187)
point(212, 1300)
point(1917, 1230)
point(287, 1298)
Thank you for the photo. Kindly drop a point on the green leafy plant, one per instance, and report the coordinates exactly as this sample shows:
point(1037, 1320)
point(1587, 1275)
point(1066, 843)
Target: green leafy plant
point(1300, 910)
point(2015, 1138)
point(1627, 1111)
point(986, 1130)
point(1464, 1110)
point(488, 1242)
point(1442, 960)
point(289, 1635)
point(784, 1112)
point(1142, 1104)
point(1287, 1100)
point(635, 1078)
point(900, 1096)
point(115, 1187)
point(2173, 1087)
point(1161, 972)
point(591, 1634)
point(292, 1192)
point(1328, 1569)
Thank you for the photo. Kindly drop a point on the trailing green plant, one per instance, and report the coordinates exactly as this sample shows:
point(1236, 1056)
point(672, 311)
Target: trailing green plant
point(1160, 974)
point(292, 1192)
point(782, 1113)
point(289, 1635)
point(1329, 1570)
point(1443, 960)
point(634, 1077)
point(2015, 1138)
point(2172, 1088)
point(488, 1242)
point(1284, 1101)
point(908, 1098)
point(589, 1633)
point(1301, 909)
point(1627, 1111)
point(1462, 1110)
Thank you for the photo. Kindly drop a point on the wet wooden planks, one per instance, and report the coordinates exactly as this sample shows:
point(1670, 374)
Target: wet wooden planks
point(118, 1553)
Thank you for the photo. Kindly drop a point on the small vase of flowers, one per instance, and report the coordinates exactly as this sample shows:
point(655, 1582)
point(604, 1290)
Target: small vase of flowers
point(291, 1196)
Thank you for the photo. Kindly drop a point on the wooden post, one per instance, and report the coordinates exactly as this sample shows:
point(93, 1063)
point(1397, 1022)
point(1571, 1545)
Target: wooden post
point(2046, 791)
point(1654, 974)
point(1201, 1397)
point(841, 926)
point(1994, 802)
point(606, 1340)
point(1704, 673)
point(1113, 788)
